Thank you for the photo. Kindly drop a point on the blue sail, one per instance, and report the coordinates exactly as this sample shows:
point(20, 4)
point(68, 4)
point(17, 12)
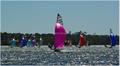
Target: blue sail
point(112, 38)
point(23, 42)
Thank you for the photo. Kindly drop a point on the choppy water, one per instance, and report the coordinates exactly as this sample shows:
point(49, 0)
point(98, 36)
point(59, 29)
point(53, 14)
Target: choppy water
point(93, 55)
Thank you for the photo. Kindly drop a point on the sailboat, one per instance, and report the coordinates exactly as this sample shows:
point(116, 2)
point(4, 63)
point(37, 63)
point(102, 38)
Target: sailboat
point(82, 40)
point(23, 42)
point(112, 39)
point(60, 34)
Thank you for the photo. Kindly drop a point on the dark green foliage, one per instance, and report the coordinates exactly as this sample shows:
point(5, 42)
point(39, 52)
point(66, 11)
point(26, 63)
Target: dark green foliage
point(49, 38)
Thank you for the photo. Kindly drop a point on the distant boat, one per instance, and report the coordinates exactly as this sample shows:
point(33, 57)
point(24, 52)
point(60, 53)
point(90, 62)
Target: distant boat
point(87, 44)
point(60, 34)
point(33, 42)
point(29, 43)
point(82, 40)
point(112, 38)
point(23, 42)
point(13, 43)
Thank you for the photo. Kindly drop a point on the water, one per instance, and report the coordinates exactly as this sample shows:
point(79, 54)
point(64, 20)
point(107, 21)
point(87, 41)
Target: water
point(93, 55)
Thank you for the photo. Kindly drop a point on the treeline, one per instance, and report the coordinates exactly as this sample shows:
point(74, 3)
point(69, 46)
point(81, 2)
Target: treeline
point(49, 38)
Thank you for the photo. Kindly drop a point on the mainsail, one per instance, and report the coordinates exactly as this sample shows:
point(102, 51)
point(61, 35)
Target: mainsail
point(112, 38)
point(60, 33)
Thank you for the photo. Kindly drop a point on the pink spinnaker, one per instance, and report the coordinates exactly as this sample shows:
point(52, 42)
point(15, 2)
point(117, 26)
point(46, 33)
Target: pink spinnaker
point(60, 35)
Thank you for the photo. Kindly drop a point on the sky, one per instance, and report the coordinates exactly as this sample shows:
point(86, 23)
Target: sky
point(40, 16)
